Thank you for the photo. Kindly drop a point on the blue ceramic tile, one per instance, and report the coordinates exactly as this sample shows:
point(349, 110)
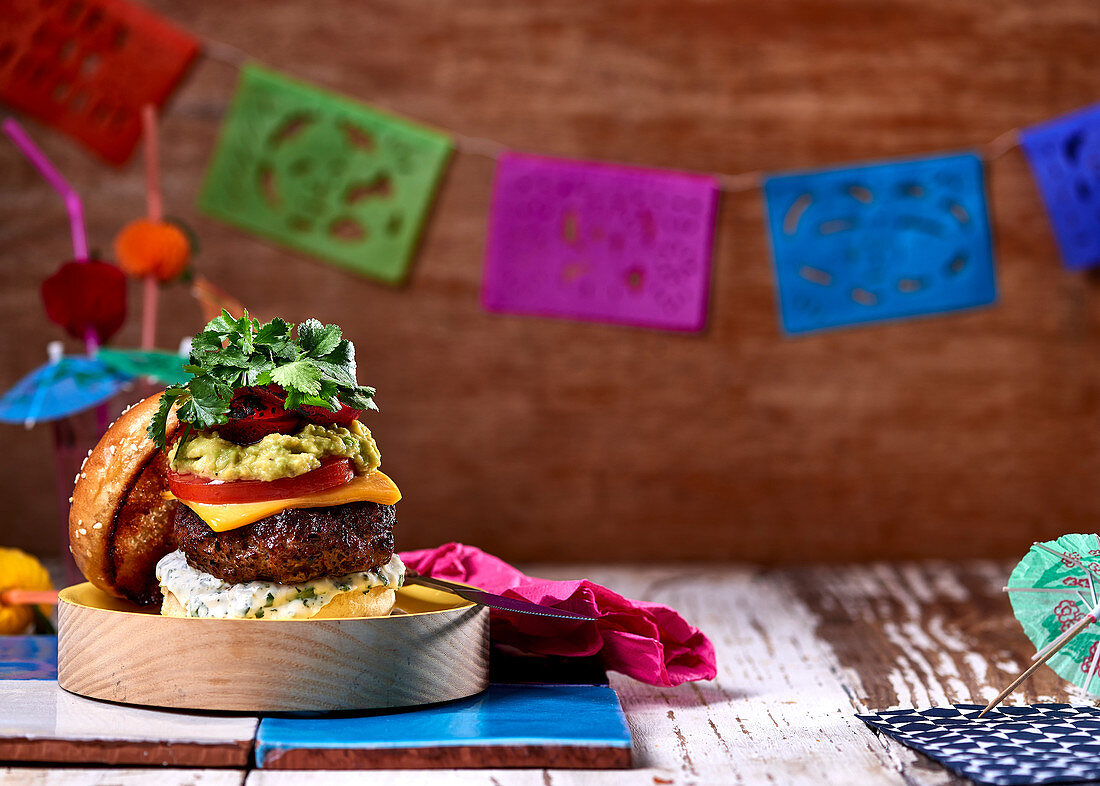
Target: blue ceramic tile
point(28, 657)
point(881, 241)
point(505, 715)
point(1064, 154)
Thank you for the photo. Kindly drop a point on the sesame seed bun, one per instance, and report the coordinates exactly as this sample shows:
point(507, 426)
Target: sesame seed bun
point(120, 521)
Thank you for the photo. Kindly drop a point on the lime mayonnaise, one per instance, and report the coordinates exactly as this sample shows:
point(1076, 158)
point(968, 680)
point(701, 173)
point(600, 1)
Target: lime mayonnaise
point(203, 595)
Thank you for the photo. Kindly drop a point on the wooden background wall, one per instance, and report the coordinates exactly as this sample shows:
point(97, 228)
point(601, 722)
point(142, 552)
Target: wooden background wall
point(541, 439)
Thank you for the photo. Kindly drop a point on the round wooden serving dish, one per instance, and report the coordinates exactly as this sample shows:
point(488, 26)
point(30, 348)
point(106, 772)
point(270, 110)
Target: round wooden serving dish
point(109, 649)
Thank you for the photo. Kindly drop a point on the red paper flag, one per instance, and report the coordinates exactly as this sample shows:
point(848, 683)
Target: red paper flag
point(86, 67)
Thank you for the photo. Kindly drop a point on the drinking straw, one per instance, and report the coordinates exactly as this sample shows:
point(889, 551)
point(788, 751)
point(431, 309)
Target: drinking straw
point(155, 207)
point(75, 208)
point(73, 205)
point(22, 597)
point(72, 202)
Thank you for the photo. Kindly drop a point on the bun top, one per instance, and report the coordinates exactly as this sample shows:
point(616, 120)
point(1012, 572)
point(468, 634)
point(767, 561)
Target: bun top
point(120, 521)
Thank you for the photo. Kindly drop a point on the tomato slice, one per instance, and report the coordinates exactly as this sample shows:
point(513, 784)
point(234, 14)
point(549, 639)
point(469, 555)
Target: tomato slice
point(274, 396)
point(245, 431)
point(333, 472)
point(324, 417)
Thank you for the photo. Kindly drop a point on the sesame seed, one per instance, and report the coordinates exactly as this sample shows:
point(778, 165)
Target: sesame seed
point(98, 525)
point(82, 531)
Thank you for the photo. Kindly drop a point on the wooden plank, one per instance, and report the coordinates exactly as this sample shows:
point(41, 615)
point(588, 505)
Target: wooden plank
point(509, 777)
point(543, 439)
point(921, 635)
point(777, 712)
point(800, 651)
point(76, 776)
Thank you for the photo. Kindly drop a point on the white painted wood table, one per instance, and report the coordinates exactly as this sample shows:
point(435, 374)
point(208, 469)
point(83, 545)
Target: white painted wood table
point(800, 651)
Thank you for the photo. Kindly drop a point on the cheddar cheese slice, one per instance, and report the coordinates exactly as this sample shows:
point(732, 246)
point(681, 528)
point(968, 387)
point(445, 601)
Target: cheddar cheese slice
point(375, 487)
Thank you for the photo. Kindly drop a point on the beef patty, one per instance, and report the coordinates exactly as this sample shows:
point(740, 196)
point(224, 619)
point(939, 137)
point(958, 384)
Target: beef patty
point(292, 546)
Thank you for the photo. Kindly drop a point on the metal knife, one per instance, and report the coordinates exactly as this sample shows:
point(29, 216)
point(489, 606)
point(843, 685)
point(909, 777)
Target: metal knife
point(483, 598)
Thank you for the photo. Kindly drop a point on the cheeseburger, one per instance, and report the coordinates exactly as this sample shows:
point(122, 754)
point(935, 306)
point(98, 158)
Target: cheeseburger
point(253, 491)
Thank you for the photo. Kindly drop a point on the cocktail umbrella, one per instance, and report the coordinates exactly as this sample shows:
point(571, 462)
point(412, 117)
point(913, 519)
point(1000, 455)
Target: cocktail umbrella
point(64, 386)
point(1055, 594)
point(164, 367)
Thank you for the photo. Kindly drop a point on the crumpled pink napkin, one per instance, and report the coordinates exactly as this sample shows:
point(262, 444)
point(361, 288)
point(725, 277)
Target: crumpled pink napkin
point(646, 641)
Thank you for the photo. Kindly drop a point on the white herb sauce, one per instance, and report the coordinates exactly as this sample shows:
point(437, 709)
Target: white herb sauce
point(203, 595)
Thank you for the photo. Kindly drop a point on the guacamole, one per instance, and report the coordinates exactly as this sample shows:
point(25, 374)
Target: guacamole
point(276, 455)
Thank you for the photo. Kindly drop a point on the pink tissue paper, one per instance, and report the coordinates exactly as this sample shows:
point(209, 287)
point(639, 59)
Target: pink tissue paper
point(600, 242)
point(647, 641)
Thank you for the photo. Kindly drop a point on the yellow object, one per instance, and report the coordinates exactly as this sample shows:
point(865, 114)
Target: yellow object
point(375, 487)
point(19, 570)
point(152, 248)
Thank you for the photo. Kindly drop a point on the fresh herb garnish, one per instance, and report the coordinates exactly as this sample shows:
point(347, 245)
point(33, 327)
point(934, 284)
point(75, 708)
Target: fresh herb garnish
point(270, 600)
point(259, 614)
point(305, 594)
point(313, 365)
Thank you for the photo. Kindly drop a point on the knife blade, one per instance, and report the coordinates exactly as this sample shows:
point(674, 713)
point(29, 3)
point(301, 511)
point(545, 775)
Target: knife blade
point(483, 598)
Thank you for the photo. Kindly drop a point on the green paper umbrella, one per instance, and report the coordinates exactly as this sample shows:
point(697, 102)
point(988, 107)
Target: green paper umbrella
point(1054, 589)
point(164, 367)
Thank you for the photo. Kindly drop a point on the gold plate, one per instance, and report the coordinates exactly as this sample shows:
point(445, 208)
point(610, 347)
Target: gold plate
point(111, 649)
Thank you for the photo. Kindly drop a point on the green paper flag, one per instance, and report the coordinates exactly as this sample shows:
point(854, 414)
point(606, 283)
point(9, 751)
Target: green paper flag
point(323, 174)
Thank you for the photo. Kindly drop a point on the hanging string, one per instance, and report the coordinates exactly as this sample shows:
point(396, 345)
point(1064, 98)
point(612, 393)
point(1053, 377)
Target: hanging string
point(730, 183)
point(996, 148)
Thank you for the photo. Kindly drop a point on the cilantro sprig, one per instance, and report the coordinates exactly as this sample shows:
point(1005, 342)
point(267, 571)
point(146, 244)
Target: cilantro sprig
point(314, 365)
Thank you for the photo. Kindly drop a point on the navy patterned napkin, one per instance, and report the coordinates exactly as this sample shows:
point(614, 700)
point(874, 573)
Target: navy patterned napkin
point(1040, 743)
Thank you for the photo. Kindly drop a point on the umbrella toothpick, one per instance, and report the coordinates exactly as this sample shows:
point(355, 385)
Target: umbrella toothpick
point(1056, 645)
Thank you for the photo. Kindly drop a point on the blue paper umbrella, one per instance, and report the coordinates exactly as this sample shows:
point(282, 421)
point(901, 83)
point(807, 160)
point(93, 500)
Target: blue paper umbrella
point(880, 241)
point(1065, 157)
point(62, 387)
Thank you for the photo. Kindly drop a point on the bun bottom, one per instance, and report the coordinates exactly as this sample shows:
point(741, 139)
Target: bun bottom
point(376, 603)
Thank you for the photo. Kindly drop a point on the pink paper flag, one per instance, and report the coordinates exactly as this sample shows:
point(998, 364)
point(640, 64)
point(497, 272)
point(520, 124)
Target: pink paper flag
point(600, 242)
point(647, 641)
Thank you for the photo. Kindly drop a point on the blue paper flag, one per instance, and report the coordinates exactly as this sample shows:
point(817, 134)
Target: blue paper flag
point(1065, 157)
point(882, 241)
point(1040, 743)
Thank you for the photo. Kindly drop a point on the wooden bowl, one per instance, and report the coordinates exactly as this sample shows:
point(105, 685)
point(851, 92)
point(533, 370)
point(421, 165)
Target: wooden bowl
point(110, 649)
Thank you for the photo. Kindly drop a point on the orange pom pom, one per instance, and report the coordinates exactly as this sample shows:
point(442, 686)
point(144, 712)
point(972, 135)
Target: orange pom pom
point(152, 248)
